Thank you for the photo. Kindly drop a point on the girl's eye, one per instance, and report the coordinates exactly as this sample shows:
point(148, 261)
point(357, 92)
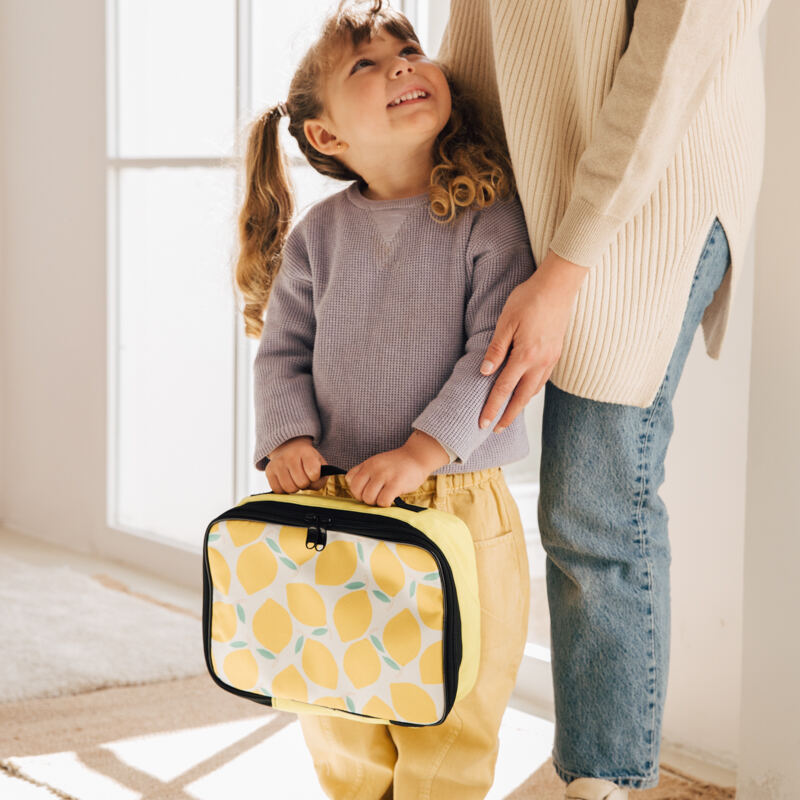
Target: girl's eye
point(410, 47)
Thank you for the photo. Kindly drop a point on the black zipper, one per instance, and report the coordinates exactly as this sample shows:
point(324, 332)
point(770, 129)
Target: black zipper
point(353, 522)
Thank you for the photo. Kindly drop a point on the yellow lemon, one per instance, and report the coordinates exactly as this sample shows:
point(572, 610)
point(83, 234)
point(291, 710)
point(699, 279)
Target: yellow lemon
point(223, 622)
point(352, 615)
point(256, 567)
point(429, 604)
point(319, 664)
point(290, 684)
point(430, 664)
point(331, 702)
point(220, 571)
point(244, 531)
point(362, 663)
point(417, 558)
point(241, 668)
point(306, 604)
point(293, 542)
point(387, 570)
point(375, 707)
point(402, 637)
point(336, 563)
point(272, 626)
point(412, 703)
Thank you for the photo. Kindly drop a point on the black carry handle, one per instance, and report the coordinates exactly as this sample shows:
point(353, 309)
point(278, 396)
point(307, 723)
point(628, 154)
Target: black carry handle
point(329, 469)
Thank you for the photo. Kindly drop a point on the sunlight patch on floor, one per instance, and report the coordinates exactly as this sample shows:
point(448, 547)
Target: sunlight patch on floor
point(65, 771)
point(254, 762)
point(525, 744)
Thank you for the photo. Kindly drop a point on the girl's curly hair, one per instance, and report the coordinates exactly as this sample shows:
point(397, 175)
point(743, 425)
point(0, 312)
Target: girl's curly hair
point(472, 167)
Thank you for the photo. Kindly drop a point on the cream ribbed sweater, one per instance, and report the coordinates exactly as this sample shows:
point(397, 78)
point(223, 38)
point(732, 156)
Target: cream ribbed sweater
point(629, 132)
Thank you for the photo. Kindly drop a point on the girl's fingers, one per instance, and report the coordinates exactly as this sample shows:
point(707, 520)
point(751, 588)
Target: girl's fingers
point(370, 492)
point(311, 466)
point(297, 473)
point(285, 480)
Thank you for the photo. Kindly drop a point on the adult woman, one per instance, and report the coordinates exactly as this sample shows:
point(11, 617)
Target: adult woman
point(636, 135)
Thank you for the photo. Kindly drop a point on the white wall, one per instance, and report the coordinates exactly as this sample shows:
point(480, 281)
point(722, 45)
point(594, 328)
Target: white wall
point(53, 368)
point(53, 186)
point(770, 721)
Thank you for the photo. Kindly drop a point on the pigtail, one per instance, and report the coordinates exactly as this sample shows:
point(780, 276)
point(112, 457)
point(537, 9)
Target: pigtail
point(264, 218)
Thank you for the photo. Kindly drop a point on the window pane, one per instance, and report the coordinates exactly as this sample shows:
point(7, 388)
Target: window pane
point(275, 57)
point(177, 74)
point(176, 356)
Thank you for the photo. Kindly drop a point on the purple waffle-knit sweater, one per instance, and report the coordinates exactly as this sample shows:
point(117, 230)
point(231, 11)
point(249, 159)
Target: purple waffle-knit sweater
point(378, 323)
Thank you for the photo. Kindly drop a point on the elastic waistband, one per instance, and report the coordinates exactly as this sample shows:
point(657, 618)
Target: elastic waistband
point(434, 484)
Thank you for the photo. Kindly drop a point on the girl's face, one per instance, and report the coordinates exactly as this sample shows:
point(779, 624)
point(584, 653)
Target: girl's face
point(360, 107)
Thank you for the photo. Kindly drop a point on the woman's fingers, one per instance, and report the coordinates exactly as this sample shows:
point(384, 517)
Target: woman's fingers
point(520, 398)
point(505, 384)
point(498, 348)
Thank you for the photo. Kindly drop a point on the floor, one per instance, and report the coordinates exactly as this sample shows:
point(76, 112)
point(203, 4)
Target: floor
point(523, 734)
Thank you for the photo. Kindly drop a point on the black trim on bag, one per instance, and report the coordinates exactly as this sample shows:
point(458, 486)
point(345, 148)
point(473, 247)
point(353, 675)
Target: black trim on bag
point(367, 524)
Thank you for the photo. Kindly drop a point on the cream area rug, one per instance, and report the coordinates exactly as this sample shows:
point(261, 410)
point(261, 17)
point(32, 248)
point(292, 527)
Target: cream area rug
point(186, 739)
point(189, 740)
point(64, 632)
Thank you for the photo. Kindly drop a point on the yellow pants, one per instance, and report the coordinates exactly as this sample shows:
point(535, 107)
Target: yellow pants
point(454, 760)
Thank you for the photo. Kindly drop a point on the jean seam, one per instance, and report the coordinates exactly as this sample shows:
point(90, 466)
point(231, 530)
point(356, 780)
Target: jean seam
point(643, 492)
point(633, 781)
point(709, 239)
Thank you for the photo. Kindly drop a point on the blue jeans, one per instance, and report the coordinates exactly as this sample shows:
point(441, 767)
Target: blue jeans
point(604, 529)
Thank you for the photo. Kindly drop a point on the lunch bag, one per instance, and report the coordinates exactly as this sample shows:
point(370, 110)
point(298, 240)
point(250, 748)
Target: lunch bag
point(328, 605)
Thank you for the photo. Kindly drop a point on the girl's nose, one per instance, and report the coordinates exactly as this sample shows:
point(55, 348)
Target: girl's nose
point(401, 68)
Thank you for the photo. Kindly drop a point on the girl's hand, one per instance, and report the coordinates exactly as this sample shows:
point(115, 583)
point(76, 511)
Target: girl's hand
point(534, 319)
point(295, 465)
point(384, 476)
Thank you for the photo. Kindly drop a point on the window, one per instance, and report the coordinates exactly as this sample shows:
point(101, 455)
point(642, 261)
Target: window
point(183, 83)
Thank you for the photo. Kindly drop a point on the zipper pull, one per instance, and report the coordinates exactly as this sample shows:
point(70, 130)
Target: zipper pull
point(317, 534)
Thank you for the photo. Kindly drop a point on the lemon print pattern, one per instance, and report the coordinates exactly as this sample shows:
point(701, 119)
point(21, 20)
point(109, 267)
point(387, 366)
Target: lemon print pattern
point(356, 626)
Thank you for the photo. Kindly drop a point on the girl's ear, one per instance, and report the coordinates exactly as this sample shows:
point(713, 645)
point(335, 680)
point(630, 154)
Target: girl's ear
point(320, 137)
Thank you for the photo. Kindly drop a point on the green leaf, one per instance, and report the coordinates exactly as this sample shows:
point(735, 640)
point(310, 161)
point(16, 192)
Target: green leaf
point(350, 704)
point(360, 551)
point(288, 562)
point(266, 654)
point(238, 644)
point(390, 662)
point(240, 612)
point(273, 545)
point(212, 537)
point(380, 596)
point(319, 631)
point(355, 585)
point(377, 642)
point(412, 588)
point(431, 576)
point(298, 645)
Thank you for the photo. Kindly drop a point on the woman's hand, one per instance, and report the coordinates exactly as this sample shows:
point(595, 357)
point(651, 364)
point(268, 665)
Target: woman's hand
point(295, 465)
point(534, 320)
point(384, 476)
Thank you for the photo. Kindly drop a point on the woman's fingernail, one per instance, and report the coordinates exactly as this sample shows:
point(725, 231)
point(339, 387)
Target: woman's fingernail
point(486, 367)
point(484, 423)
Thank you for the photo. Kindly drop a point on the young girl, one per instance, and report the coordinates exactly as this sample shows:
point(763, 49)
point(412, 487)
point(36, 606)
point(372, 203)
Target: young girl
point(382, 300)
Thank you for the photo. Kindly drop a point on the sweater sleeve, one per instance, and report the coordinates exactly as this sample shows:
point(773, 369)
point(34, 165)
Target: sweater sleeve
point(674, 50)
point(452, 416)
point(285, 405)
